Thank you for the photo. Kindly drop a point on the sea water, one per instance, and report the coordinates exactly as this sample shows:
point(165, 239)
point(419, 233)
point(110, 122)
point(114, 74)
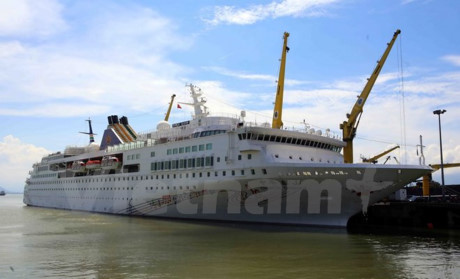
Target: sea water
point(51, 243)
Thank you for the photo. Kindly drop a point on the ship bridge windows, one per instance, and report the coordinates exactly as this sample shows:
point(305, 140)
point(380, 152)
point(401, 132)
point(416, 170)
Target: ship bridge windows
point(208, 133)
point(289, 140)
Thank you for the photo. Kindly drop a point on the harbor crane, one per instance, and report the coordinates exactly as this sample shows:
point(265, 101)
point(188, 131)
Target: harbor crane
point(169, 108)
point(277, 123)
point(373, 160)
point(350, 126)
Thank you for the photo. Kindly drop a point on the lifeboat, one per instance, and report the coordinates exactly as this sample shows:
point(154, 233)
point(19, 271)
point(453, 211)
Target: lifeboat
point(93, 164)
point(110, 163)
point(78, 166)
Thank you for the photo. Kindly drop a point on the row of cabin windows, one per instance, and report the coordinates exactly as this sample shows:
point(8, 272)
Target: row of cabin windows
point(141, 177)
point(199, 162)
point(86, 189)
point(43, 175)
point(289, 140)
point(186, 149)
point(207, 133)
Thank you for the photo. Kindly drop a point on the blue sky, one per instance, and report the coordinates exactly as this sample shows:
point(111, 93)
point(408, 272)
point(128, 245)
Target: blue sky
point(64, 61)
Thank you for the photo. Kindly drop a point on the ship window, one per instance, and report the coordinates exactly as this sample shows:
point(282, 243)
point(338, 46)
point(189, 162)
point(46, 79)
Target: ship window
point(194, 148)
point(233, 172)
point(201, 174)
point(138, 156)
point(181, 150)
point(278, 139)
point(224, 173)
point(266, 138)
point(201, 147)
point(244, 136)
point(239, 157)
point(253, 171)
point(152, 154)
point(283, 139)
point(242, 172)
point(187, 149)
point(272, 138)
point(208, 146)
point(260, 137)
point(264, 171)
point(218, 159)
point(276, 156)
point(240, 137)
point(289, 140)
point(216, 173)
point(168, 152)
point(175, 151)
point(193, 174)
point(209, 161)
point(249, 156)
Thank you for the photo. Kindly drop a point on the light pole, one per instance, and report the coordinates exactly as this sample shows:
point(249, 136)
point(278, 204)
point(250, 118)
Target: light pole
point(439, 112)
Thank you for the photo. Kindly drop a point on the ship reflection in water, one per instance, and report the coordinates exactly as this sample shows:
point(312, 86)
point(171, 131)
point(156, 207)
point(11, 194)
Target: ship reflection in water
point(40, 242)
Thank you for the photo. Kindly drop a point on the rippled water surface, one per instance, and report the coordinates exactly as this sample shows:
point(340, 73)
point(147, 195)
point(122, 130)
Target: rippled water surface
point(48, 243)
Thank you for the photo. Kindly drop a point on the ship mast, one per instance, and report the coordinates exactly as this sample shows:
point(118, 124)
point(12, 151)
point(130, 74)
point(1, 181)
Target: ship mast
point(91, 134)
point(198, 103)
point(277, 123)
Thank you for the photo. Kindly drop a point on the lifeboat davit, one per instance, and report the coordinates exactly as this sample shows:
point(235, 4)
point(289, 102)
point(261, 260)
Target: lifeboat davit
point(93, 164)
point(110, 163)
point(78, 166)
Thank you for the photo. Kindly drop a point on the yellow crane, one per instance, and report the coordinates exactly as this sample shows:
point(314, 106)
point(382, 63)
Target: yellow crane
point(427, 177)
point(277, 123)
point(351, 124)
point(170, 106)
point(373, 160)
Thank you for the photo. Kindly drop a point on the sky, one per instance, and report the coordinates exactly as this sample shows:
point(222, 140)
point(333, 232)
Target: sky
point(64, 61)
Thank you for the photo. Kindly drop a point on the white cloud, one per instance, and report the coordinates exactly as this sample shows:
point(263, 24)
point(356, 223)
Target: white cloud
point(254, 13)
point(30, 18)
point(453, 59)
point(240, 75)
point(88, 73)
point(17, 158)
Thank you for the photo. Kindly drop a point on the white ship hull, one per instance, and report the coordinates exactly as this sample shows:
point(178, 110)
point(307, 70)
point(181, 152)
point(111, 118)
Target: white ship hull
point(286, 195)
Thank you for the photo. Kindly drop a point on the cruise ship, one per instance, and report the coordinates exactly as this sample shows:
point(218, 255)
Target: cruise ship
point(215, 167)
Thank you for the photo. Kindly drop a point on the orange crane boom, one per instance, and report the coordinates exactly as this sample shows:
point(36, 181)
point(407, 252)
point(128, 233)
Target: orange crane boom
point(350, 126)
point(277, 123)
